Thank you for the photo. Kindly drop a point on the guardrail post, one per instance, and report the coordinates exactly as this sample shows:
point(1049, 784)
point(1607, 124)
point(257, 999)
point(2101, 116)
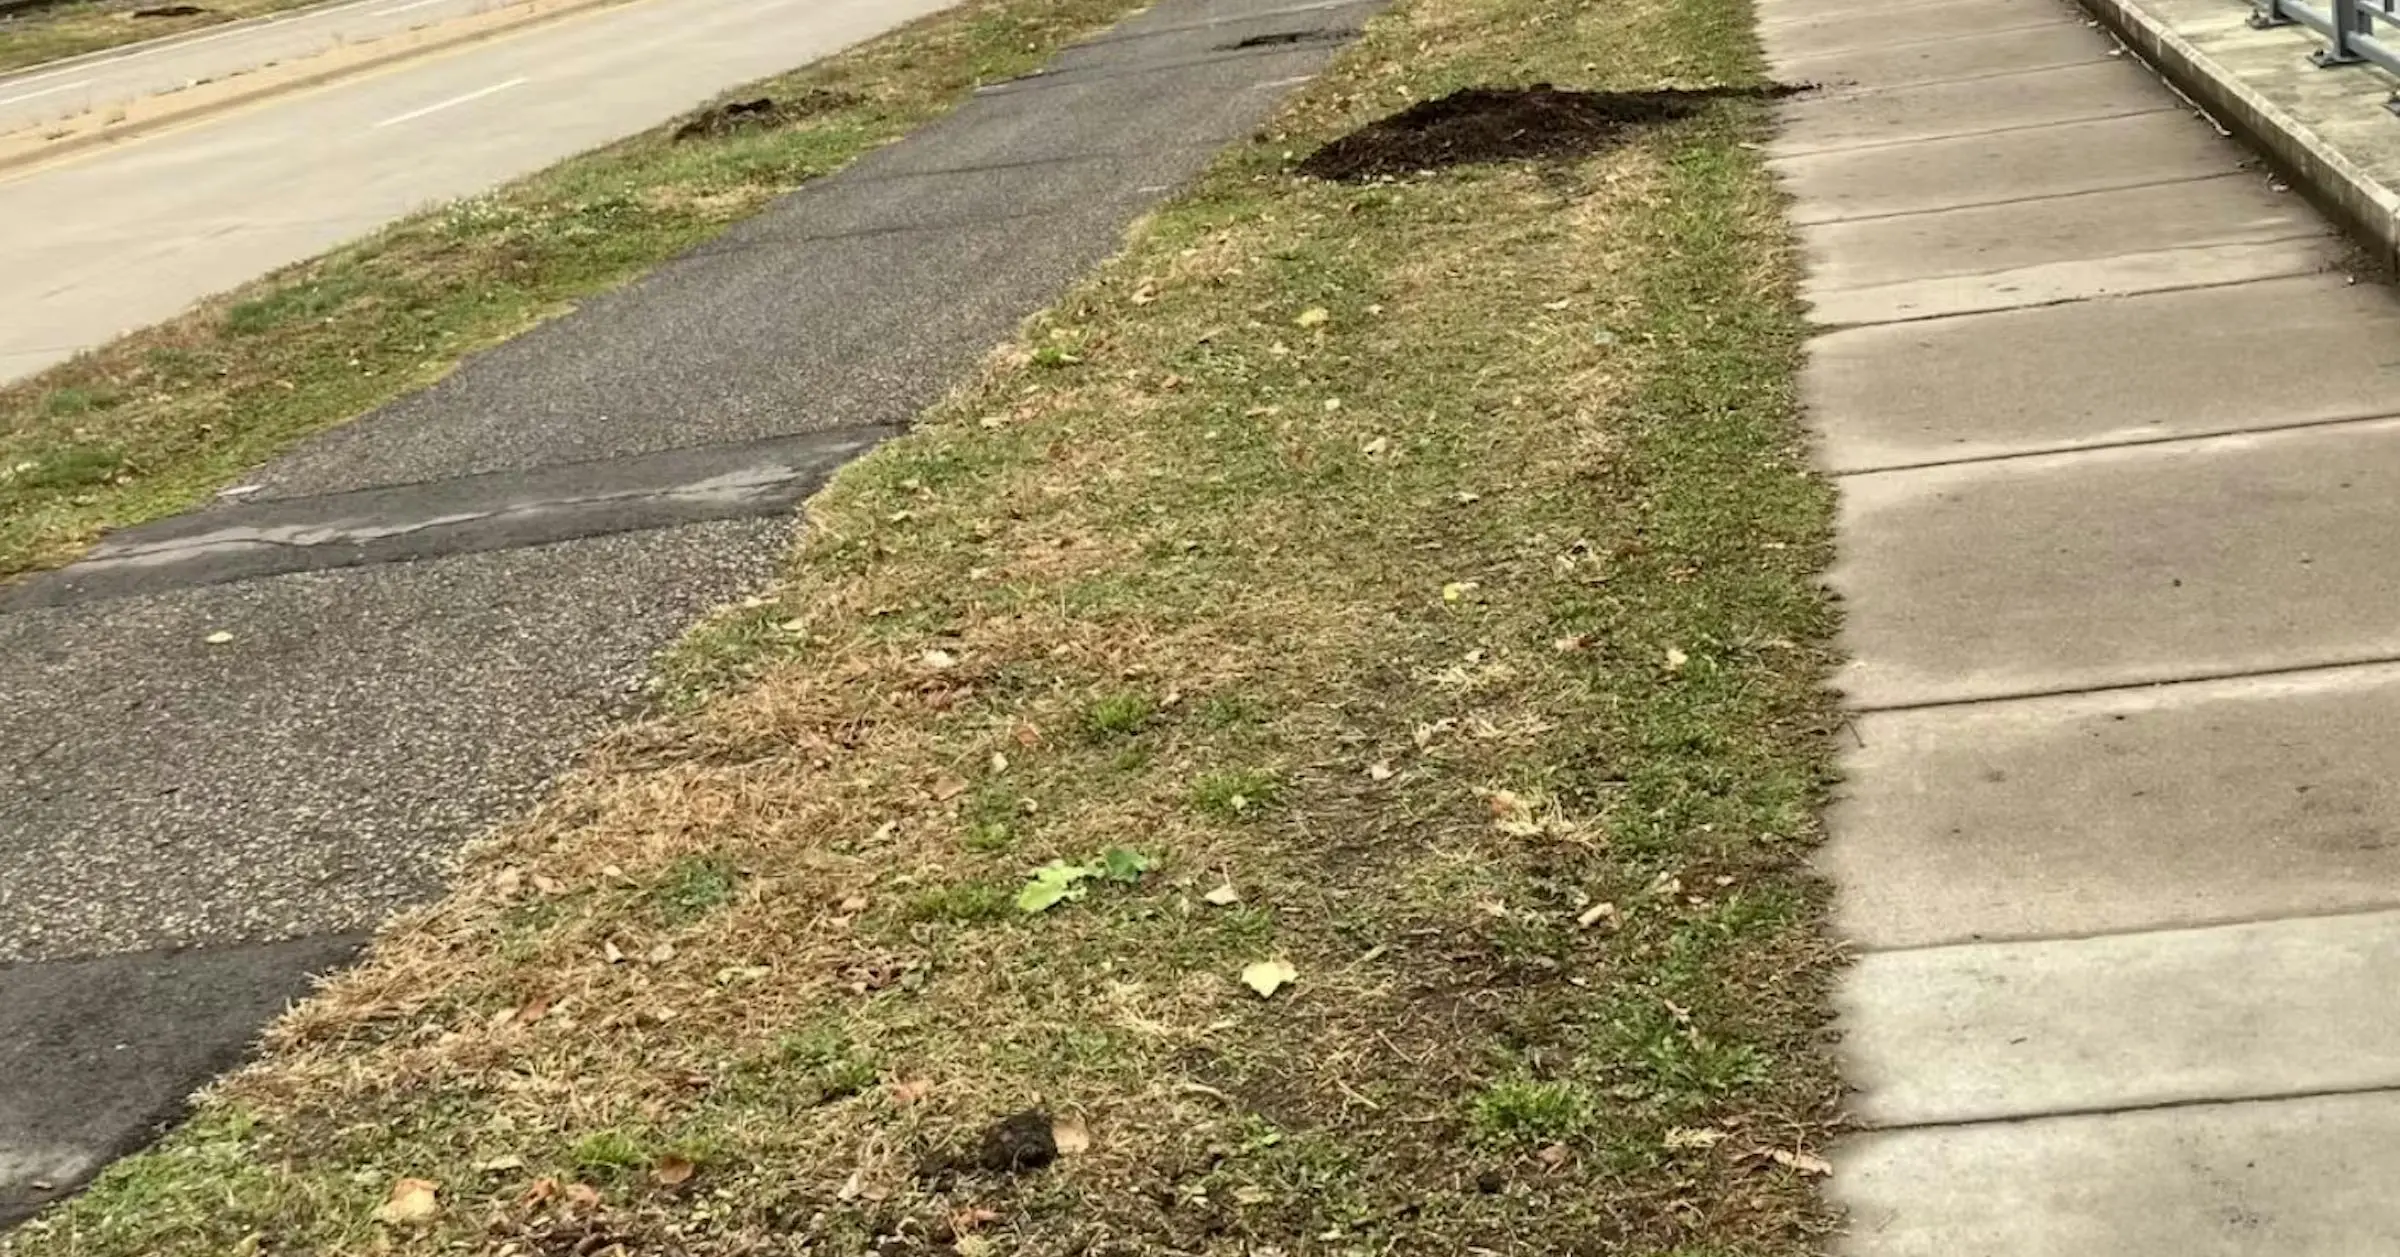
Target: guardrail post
point(2266, 13)
point(2349, 18)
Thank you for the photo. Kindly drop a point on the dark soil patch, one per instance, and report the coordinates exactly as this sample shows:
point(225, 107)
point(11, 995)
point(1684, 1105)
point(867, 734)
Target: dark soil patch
point(170, 10)
point(1488, 124)
point(761, 113)
point(1286, 39)
point(1021, 1142)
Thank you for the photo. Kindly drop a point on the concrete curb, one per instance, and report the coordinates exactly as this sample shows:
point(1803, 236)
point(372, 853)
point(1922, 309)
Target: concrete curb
point(154, 113)
point(2366, 207)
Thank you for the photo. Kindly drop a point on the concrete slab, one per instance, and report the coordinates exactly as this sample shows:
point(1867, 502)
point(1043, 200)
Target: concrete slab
point(1916, 24)
point(2024, 253)
point(2177, 561)
point(2235, 1012)
point(2166, 806)
point(2014, 50)
point(2069, 158)
point(2262, 1179)
point(2091, 373)
point(2011, 102)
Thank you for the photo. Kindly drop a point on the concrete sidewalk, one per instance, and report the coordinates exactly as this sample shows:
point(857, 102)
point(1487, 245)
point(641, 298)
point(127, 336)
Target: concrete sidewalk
point(2121, 559)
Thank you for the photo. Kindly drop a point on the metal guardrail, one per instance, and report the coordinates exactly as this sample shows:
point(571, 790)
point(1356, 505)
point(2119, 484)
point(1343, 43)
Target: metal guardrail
point(2348, 26)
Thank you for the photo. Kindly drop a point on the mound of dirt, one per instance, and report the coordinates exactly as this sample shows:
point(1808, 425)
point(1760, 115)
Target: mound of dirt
point(169, 10)
point(761, 113)
point(1488, 124)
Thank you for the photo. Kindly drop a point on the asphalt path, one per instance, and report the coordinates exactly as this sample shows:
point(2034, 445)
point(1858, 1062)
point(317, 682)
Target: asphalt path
point(430, 608)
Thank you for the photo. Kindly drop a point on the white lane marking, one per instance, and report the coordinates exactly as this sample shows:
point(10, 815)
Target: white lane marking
point(438, 106)
point(11, 100)
point(403, 8)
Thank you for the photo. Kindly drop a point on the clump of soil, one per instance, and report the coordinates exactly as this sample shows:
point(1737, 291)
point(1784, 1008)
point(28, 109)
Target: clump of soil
point(762, 113)
point(1023, 1141)
point(170, 10)
point(1488, 124)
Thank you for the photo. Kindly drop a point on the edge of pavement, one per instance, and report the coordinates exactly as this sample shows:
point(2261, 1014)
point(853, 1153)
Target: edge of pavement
point(34, 146)
point(2330, 168)
point(142, 47)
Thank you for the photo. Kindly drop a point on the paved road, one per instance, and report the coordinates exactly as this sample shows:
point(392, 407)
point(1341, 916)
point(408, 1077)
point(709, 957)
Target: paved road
point(120, 238)
point(2116, 848)
point(431, 606)
point(112, 78)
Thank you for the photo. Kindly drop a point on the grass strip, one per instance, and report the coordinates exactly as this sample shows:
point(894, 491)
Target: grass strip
point(1314, 751)
point(154, 423)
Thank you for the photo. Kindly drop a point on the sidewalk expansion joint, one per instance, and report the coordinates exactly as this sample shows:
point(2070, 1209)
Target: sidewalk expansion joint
point(2180, 927)
point(2125, 687)
point(1872, 146)
point(1825, 328)
point(1962, 37)
point(2031, 199)
point(466, 514)
point(2018, 1119)
point(2123, 443)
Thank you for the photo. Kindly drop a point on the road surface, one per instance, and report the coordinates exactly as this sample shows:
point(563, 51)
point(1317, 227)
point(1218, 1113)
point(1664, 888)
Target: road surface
point(116, 239)
point(116, 77)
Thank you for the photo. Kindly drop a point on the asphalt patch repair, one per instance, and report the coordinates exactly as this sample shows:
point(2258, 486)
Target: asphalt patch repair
point(1491, 124)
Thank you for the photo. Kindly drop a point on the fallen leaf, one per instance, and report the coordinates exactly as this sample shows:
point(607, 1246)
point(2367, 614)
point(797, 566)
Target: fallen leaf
point(1124, 864)
point(1570, 644)
point(662, 953)
point(855, 903)
point(1805, 1162)
point(1554, 1156)
point(413, 1200)
point(584, 1195)
point(1377, 447)
point(1269, 976)
point(1054, 883)
point(1676, 659)
point(939, 659)
point(1595, 914)
point(999, 762)
point(1027, 735)
point(1071, 1136)
point(612, 953)
point(1379, 771)
point(501, 1163)
point(673, 1171)
point(1560, 304)
point(1694, 1137)
point(1224, 896)
point(949, 786)
point(1458, 589)
point(1314, 316)
point(540, 1191)
point(965, 1220)
point(911, 1090)
point(533, 1010)
point(1332, 404)
point(218, 638)
point(1145, 292)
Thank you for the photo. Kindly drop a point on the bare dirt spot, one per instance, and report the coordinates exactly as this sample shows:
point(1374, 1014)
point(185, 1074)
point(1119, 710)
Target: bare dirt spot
point(170, 10)
point(761, 113)
point(1488, 124)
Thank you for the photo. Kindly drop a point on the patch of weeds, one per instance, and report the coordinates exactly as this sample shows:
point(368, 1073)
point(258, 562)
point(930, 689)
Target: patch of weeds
point(1053, 357)
point(693, 887)
point(1525, 1110)
point(63, 468)
point(961, 903)
point(73, 400)
point(828, 1065)
point(1119, 715)
point(610, 1153)
point(1236, 794)
point(300, 303)
point(1230, 711)
point(1060, 882)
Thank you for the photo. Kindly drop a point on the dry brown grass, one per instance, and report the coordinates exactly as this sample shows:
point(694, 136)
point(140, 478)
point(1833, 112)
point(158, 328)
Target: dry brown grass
point(1432, 563)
